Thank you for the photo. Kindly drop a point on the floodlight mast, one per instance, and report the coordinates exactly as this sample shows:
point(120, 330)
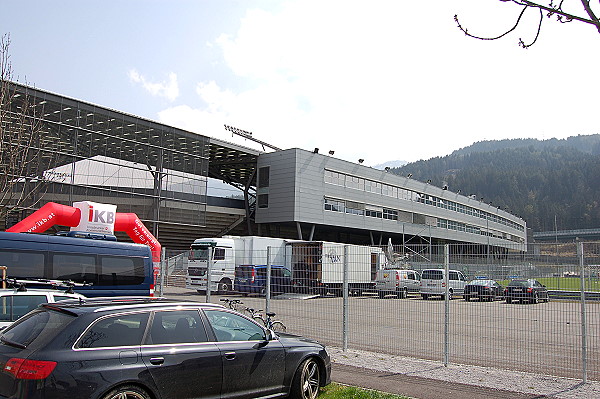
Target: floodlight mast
point(248, 135)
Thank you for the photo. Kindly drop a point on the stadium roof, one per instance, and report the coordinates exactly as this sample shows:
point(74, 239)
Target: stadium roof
point(111, 133)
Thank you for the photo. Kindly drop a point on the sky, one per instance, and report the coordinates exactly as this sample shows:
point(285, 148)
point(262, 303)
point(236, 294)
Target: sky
point(381, 80)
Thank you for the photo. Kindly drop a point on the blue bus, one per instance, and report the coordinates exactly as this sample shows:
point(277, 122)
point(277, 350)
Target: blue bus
point(98, 267)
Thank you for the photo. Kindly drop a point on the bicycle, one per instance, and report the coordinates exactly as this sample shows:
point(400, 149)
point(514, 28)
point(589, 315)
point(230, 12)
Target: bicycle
point(267, 321)
point(232, 303)
point(255, 315)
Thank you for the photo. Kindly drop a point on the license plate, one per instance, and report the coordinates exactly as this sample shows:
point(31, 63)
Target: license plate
point(517, 290)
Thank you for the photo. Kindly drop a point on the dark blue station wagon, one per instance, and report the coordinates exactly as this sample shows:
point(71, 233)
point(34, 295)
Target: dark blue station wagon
point(155, 348)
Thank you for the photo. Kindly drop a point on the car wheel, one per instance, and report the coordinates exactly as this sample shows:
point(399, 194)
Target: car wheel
point(467, 298)
point(508, 300)
point(306, 381)
point(381, 294)
point(127, 392)
point(404, 294)
point(424, 296)
point(535, 298)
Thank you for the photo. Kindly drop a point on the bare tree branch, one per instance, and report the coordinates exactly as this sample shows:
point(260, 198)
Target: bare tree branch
point(23, 160)
point(551, 10)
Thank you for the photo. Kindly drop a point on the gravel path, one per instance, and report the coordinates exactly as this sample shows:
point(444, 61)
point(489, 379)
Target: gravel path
point(528, 383)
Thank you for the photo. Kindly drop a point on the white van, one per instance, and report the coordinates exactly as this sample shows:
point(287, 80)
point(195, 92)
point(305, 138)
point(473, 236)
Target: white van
point(397, 282)
point(432, 283)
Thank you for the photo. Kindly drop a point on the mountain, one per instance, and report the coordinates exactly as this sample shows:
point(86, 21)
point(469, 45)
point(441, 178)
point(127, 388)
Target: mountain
point(549, 183)
point(390, 164)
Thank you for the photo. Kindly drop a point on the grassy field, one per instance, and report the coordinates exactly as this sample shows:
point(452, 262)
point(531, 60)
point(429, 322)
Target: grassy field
point(336, 391)
point(565, 283)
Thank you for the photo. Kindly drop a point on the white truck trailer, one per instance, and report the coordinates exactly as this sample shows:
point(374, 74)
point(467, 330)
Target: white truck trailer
point(229, 252)
point(318, 266)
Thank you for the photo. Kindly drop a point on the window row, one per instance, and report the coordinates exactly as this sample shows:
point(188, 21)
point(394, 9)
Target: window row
point(359, 183)
point(354, 208)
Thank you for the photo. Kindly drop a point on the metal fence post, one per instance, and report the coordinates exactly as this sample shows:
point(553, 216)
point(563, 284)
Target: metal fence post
point(446, 303)
point(268, 283)
point(583, 315)
point(345, 302)
point(163, 269)
point(209, 267)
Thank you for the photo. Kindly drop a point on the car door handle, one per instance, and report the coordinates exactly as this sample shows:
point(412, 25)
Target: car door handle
point(157, 360)
point(230, 355)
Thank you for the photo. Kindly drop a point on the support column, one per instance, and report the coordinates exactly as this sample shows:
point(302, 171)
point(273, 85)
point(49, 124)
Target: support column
point(299, 230)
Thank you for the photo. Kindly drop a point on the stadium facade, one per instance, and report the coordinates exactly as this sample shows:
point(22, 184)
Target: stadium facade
point(93, 153)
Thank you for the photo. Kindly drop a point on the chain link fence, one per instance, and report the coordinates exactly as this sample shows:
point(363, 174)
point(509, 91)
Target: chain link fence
point(534, 311)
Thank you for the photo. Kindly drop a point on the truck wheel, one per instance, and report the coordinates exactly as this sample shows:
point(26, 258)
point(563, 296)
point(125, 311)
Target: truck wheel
point(224, 286)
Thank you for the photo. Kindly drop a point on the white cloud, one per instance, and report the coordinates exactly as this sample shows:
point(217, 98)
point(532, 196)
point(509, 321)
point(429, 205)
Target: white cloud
point(393, 80)
point(168, 89)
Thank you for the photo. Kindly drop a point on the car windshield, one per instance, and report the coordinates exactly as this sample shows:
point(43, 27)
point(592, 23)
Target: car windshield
point(432, 275)
point(36, 327)
point(519, 283)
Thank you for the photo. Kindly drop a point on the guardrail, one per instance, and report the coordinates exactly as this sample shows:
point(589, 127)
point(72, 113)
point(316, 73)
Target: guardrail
point(574, 295)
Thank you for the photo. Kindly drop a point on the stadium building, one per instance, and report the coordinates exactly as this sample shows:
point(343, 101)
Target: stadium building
point(88, 152)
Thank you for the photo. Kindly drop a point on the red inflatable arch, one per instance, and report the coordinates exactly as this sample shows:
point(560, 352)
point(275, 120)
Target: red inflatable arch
point(53, 214)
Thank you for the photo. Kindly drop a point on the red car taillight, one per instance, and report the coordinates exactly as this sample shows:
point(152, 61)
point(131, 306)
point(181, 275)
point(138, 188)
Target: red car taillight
point(530, 290)
point(24, 369)
point(253, 275)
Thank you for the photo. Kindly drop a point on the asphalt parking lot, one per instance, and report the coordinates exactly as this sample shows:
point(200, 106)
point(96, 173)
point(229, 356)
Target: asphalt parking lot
point(543, 338)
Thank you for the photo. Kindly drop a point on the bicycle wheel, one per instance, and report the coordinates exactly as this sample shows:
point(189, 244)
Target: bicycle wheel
point(278, 326)
point(259, 319)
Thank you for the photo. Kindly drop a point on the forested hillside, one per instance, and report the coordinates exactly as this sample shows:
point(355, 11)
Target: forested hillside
point(541, 181)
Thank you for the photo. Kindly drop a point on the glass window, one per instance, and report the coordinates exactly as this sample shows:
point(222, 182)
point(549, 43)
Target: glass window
point(36, 326)
point(176, 327)
point(122, 330)
point(14, 306)
point(61, 297)
point(262, 200)
point(334, 205)
point(232, 327)
point(75, 267)
point(219, 253)
point(119, 270)
point(334, 177)
point(23, 264)
point(264, 176)
point(432, 275)
point(23, 304)
point(390, 214)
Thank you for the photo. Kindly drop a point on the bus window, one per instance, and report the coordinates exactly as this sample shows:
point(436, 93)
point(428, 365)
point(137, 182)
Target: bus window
point(118, 270)
point(23, 264)
point(79, 268)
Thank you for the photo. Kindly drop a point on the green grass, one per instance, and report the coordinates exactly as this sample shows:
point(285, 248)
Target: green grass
point(336, 391)
point(565, 283)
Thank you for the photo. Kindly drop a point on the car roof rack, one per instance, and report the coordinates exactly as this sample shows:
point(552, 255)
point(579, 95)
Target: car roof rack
point(21, 284)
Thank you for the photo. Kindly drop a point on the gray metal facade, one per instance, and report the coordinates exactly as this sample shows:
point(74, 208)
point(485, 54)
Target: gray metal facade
point(318, 190)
